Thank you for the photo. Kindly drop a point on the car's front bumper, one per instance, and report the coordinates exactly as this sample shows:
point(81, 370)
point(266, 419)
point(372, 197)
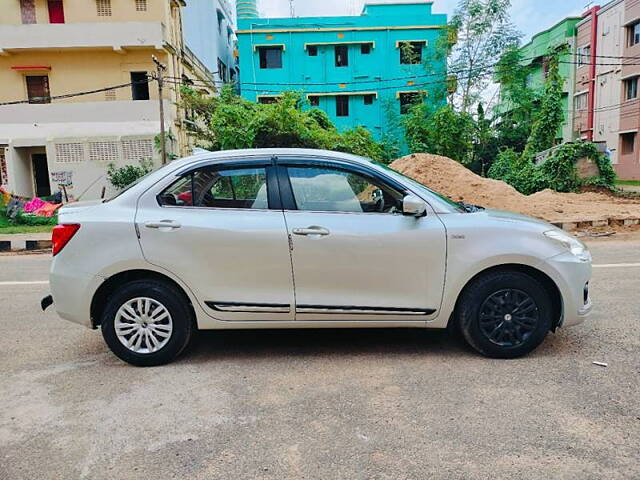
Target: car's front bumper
point(572, 277)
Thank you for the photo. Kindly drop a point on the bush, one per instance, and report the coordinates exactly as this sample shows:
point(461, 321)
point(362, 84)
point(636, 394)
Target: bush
point(122, 177)
point(22, 218)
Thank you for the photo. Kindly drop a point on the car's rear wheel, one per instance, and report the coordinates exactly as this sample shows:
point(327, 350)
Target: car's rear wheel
point(147, 323)
point(504, 314)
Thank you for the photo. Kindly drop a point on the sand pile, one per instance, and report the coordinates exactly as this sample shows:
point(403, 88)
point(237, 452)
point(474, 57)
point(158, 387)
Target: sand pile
point(448, 177)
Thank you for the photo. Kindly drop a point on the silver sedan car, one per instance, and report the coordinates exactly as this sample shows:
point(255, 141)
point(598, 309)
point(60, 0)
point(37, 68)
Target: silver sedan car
point(293, 238)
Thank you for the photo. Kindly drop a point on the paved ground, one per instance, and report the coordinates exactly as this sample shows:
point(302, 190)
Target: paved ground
point(332, 404)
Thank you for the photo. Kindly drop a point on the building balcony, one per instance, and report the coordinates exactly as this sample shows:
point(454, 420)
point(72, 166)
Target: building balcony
point(117, 36)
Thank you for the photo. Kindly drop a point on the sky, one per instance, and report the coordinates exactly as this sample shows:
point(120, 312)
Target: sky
point(530, 16)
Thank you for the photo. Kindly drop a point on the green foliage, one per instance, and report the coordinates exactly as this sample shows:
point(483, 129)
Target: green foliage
point(550, 116)
point(558, 172)
point(231, 122)
point(122, 177)
point(444, 132)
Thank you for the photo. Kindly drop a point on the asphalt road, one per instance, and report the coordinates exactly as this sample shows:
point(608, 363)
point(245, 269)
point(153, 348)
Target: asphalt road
point(322, 404)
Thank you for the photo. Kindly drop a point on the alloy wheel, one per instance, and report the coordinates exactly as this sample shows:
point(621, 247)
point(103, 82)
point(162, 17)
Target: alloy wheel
point(143, 325)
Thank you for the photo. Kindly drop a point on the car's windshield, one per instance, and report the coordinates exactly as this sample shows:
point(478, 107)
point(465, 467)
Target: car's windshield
point(458, 206)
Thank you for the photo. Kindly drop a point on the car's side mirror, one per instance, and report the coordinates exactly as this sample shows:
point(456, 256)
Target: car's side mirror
point(414, 206)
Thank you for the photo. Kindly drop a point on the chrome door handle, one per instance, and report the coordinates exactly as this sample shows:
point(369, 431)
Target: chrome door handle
point(163, 224)
point(313, 230)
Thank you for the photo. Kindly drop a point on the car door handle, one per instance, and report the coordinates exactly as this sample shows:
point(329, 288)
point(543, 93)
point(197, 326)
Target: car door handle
point(313, 230)
point(163, 224)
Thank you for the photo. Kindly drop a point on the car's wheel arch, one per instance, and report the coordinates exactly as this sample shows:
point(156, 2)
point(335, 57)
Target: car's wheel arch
point(113, 282)
point(545, 280)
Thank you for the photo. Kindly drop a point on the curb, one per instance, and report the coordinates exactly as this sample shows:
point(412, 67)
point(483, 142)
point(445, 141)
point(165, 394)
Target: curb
point(570, 226)
point(18, 245)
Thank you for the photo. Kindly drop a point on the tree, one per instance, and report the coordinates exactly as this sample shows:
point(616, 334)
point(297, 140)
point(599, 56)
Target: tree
point(445, 132)
point(484, 31)
point(231, 122)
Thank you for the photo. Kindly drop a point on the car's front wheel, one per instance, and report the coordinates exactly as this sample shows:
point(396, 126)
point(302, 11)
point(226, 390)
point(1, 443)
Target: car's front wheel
point(147, 323)
point(504, 314)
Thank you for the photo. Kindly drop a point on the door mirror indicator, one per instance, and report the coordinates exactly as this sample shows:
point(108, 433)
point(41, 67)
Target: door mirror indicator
point(413, 205)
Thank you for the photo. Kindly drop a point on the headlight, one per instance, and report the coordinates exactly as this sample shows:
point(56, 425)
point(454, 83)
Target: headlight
point(573, 245)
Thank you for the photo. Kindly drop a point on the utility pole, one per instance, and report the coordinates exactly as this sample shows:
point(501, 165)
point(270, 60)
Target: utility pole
point(292, 8)
point(160, 68)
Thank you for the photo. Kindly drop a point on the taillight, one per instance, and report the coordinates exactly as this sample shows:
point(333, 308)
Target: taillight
point(61, 236)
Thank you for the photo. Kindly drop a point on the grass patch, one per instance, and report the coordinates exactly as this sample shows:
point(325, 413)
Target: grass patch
point(628, 182)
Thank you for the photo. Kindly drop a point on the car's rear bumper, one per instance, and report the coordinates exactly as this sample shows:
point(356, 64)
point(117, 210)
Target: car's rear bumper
point(72, 292)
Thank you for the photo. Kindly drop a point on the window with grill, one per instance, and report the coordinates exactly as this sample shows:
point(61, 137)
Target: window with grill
point(267, 100)
point(368, 99)
point(312, 50)
point(365, 48)
point(103, 151)
point(103, 8)
point(342, 55)
point(69, 152)
point(628, 141)
point(28, 11)
point(4, 178)
point(411, 53)
point(407, 100)
point(634, 34)
point(110, 95)
point(139, 86)
point(38, 89)
point(141, 5)
point(314, 100)
point(270, 57)
point(342, 106)
point(631, 88)
point(581, 101)
point(584, 55)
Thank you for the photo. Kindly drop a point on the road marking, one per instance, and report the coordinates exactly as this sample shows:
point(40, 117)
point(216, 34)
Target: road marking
point(36, 282)
point(616, 265)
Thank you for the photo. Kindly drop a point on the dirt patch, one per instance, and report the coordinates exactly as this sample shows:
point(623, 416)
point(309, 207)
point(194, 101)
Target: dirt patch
point(450, 178)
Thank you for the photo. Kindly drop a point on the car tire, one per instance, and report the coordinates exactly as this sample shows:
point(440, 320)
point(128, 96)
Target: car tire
point(504, 314)
point(153, 317)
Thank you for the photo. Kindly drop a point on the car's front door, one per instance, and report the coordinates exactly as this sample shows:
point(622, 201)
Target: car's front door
point(221, 230)
point(355, 255)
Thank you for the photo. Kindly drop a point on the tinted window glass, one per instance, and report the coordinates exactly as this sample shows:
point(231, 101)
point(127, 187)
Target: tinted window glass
point(326, 189)
point(240, 188)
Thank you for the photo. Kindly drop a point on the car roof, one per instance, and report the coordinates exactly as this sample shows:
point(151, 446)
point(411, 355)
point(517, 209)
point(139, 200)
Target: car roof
point(252, 152)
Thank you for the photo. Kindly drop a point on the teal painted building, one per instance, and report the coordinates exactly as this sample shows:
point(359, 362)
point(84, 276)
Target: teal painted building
point(361, 70)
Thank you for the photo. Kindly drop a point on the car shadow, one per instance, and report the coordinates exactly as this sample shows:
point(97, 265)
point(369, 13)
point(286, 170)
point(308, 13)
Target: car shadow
point(256, 344)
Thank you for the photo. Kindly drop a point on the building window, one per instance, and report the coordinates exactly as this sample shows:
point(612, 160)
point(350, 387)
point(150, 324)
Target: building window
point(312, 50)
point(28, 11)
point(628, 141)
point(38, 89)
point(270, 57)
point(631, 88)
point(56, 11)
point(580, 102)
point(4, 177)
point(407, 100)
point(222, 71)
point(141, 5)
point(104, 8)
point(411, 53)
point(365, 48)
point(342, 106)
point(314, 100)
point(139, 86)
point(368, 99)
point(634, 34)
point(584, 55)
point(266, 100)
point(220, 19)
point(342, 55)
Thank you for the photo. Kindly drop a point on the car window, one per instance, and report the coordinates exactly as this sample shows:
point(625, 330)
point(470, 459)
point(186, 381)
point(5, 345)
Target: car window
point(237, 188)
point(328, 189)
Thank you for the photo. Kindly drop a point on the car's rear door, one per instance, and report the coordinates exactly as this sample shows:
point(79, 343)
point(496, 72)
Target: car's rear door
point(355, 255)
point(220, 229)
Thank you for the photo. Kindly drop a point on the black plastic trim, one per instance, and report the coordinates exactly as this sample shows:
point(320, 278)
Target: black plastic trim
point(383, 310)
